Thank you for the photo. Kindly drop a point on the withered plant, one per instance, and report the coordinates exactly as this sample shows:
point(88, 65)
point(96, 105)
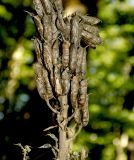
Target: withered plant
point(61, 48)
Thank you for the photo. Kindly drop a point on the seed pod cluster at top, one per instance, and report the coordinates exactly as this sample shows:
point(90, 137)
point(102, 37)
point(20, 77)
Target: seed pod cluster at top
point(61, 57)
point(90, 33)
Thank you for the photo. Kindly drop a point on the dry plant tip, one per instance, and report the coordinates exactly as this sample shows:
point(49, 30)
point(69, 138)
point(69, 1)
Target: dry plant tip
point(49, 128)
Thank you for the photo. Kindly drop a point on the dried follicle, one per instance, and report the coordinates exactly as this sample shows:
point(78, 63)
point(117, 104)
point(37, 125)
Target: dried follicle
point(43, 85)
point(47, 6)
point(65, 81)
point(85, 113)
point(47, 57)
point(39, 80)
point(47, 30)
point(92, 29)
point(90, 38)
point(55, 52)
point(51, 75)
point(58, 5)
point(74, 91)
point(38, 50)
point(64, 107)
point(79, 60)
point(53, 26)
point(66, 34)
point(65, 53)
point(90, 33)
point(70, 132)
point(37, 21)
point(77, 116)
point(57, 80)
point(58, 88)
point(38, 7)
point(60, 22)
point(75, 30)
point(90, 20)
point(49, 91)
point(61, 25)
point(83, 63)
point(82, 92)
point(73, 58)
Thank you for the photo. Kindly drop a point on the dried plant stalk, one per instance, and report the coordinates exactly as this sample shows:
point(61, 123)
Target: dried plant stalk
point(61, 69)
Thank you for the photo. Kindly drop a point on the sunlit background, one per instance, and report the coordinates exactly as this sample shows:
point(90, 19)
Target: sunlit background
point(110, 74)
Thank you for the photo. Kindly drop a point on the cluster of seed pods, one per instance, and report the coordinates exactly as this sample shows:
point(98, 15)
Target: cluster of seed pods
point(60, 46)
point(61, 49)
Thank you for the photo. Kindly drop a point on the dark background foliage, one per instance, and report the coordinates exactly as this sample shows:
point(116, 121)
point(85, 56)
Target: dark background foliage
point(110, 74)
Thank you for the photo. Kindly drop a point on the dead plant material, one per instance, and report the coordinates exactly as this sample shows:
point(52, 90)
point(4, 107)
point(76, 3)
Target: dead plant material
point(61, 68)
point(65, 53)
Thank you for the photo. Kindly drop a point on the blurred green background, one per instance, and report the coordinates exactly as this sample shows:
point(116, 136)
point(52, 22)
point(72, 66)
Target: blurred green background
point(110, 74)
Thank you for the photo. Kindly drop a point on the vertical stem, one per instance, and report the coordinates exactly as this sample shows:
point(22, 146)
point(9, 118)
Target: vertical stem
point(63, 143)
point(62, 155)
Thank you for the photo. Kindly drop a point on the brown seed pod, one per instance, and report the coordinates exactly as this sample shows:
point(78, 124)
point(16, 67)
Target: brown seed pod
point(59, 8)
point(75, 26)
point(54, 28)
point(85, 113)
point(38, 7)
point(73, 57)
point(38, 49)
point(47, 84)
point(57, 80)
point(39, 80)
point(77, 116)
point(65, 81)
point(61, 24)
point(64, 27)
point(79, 60)
point(64, 107)
point(43, 84)
point(90, 20)
point(66, 31)
point(83, 63)
point(70, 132)
point(74, 91)
point(47, 57)
point(82, 93)
point(44, 92)
point(47, 30)
point(65, 53)
point(47, 6)
point(52, 78)
point(92, 29)
point(55, 52)
point(90, 38)
point(37, 22)
point(58, 5)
